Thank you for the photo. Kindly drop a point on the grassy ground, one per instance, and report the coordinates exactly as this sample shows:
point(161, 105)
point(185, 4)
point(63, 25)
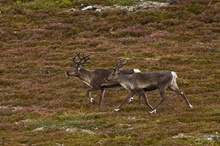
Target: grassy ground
point(40, 106)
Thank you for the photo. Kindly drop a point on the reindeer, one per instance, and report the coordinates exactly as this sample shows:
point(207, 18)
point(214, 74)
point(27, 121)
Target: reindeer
point(96, 79)
point(146, 81)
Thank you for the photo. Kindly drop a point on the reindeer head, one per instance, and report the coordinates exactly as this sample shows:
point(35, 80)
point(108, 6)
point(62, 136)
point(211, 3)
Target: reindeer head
point(79, 60)
point(114, 75)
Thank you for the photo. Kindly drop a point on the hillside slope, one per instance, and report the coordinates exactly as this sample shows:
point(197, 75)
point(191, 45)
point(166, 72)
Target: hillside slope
point(39, 105)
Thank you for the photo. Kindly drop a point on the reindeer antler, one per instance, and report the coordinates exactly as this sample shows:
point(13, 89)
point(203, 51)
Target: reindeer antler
point(120, 62)
point(80, 58)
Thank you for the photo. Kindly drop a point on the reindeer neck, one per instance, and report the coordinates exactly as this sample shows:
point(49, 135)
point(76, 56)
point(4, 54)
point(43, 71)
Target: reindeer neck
point(124, 80)
point(85, 75)
point(123, 76)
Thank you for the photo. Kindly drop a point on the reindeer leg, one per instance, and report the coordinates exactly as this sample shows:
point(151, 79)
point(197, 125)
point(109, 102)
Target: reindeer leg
point(88, 94)
point(101, 97)
point(139, 98)
point(131, 100)
point(163, 97)
point(179, 92)
point(129, 96)
point(145, 99)
point(91, 100)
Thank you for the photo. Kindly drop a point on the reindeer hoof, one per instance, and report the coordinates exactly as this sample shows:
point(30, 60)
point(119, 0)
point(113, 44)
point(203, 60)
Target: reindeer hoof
point(116, 110)
point(190, 106)
point(153, 111)
point(131, 100)
point(92, 101)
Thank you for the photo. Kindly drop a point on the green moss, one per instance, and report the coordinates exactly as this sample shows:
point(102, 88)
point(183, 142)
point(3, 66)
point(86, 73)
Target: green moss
point(194, 9)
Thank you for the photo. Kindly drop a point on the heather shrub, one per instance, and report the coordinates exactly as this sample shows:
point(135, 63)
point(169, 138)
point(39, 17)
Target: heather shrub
point(38, 39)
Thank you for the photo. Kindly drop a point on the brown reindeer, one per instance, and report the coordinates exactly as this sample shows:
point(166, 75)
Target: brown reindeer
point(146, 81)
point(96, 79)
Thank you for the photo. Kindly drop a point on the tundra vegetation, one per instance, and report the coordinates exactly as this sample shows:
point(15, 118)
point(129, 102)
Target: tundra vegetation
point(39, 105)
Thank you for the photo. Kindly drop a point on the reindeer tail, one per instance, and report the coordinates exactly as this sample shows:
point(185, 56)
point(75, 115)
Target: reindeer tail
point(174, 77)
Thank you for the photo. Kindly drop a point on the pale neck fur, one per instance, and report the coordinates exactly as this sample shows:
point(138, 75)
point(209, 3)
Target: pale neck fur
point(85, 75)
point(125, 80)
